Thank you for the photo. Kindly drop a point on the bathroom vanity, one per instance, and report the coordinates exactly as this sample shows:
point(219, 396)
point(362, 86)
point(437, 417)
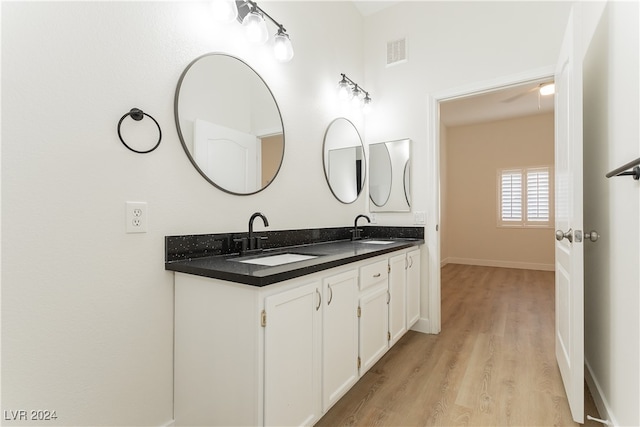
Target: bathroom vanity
point(276, 338)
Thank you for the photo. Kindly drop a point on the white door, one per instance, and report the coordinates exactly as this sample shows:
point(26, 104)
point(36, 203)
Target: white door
point(398, 297)
point(227, 156)
point(292, 357)
point(413, 287)
point(339, 336)
point(374, 327)
point(568, 217)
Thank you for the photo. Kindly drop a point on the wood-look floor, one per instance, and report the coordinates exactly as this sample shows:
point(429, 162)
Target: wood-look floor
point(493, 364)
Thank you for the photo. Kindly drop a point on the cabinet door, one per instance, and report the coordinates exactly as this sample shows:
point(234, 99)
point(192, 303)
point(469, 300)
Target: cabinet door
point(397, 298)
point(413, 287)
point(374, 326)
point(339, 336)
point(292, 356)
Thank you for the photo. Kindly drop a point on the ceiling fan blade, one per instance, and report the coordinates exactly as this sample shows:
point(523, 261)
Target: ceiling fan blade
point(520, 95)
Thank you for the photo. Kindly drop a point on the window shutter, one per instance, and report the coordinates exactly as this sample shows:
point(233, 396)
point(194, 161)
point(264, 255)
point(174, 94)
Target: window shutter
point(511, 196)
point(538, 195)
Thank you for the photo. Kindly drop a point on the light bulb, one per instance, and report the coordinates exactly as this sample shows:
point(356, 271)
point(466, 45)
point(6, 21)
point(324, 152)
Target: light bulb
point(355, 97)
point(366, 104)
point(255, 27)
point(224, 10)
point(282, 47)
point(343, 89)
point(547, 89)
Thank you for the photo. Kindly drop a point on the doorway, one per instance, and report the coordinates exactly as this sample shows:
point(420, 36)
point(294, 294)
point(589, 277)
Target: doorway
point(433, 235)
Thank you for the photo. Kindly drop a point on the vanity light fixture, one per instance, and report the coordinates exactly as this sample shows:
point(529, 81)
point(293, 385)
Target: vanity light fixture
point(252, 18)
point(348, 89)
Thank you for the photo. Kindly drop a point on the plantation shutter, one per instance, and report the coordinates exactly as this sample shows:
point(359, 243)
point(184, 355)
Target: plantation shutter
point(538, 195)
point(511, 196)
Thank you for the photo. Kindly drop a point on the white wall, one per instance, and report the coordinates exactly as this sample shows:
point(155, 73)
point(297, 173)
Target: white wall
point(450, 45)
point(87, 310)
point(612, 207)
point(475, 154)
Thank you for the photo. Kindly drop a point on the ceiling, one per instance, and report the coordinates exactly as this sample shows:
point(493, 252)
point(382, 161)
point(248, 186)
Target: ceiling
point(506, 103)
point(514, 101)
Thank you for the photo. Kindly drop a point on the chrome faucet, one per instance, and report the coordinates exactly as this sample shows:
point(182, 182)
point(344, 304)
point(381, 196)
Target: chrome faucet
point(356, 231)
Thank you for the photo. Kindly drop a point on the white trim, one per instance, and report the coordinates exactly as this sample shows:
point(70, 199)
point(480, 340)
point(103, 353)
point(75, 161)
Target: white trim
point(501, 264)
point(603, 407)
point(422, 325)
point(171, 423)
point(433, 162)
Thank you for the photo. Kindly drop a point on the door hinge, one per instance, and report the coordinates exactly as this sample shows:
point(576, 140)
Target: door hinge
point(388, 297)
point(263, 318)
point(388, 268)
point(388, 336)
point(359, 312)
point(359, 363)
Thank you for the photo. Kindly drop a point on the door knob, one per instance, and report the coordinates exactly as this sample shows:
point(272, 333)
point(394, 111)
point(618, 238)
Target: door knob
point(592, 235)
point(561, 235)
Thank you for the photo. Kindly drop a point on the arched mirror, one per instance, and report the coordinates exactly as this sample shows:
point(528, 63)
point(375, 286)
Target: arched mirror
point(390, 176)
point(407, 182)
point(343, 158)
point(380, 181)
point(229, 124)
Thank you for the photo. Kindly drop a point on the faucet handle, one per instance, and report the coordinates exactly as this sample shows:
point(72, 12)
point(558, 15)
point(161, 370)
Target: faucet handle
point(259, 240)
point(243, 241)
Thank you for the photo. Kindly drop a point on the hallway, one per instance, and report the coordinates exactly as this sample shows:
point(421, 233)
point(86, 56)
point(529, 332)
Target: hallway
point(492, 364)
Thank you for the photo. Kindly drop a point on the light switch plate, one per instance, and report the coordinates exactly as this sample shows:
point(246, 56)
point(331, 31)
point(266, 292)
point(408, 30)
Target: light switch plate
point(419, 217)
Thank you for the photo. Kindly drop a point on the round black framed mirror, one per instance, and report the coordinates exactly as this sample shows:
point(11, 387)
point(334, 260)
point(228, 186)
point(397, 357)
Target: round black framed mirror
point(229, 124)
point(344, 160)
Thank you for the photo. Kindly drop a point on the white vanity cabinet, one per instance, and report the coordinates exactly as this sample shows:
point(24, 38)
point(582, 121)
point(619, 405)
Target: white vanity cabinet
point(339, 336)
point(283, 354)
point(413, 287)
point(246, 355)
point(373, 313)
point(397, 297)
point(292, 356)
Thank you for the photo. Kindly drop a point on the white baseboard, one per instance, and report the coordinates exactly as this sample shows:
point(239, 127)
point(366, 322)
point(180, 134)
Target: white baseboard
point(501, 264)
point(171, 423)
point(598, 397)
point(422, 325)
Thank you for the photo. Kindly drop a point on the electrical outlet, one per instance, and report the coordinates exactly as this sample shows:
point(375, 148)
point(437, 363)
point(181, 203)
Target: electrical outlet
point(419, 217)
point(136, 217)
point(373, 218)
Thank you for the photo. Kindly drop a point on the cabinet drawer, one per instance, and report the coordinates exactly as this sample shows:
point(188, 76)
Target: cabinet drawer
point(373, 274)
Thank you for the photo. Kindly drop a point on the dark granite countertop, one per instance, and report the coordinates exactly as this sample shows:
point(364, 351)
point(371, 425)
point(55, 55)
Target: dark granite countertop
point(328, 254)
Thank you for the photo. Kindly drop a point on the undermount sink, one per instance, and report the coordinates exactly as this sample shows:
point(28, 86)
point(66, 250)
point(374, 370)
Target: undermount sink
point(273, 260)
point(375, 242)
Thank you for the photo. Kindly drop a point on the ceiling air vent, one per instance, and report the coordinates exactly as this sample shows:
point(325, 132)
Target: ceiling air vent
point(396, 51)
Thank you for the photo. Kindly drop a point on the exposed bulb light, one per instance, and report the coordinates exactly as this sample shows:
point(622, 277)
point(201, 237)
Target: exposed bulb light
point(348, 89)
point(252, 18)
point(366, 103)
point(224, 10)
point(355, 96)
point(255, 27)
point(343, 88)
point(547, 89)
point(282, 48)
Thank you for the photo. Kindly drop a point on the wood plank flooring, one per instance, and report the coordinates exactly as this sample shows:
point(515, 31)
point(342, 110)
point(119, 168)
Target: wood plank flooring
point(493, 364)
